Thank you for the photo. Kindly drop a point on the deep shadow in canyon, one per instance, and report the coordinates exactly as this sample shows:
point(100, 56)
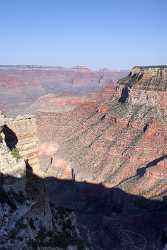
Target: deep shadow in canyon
point(124, 95)
point(142, 171)
point(108, 218)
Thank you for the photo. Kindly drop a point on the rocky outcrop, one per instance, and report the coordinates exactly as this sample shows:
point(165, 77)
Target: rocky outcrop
point(150, 77)
point(146, 85)
point(11, 165)
point(21, 137)
point(23, 130)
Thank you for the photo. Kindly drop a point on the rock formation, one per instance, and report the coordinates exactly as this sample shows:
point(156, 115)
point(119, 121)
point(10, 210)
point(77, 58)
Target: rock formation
point(10, 164)
point(147, 85)
point(24, 127)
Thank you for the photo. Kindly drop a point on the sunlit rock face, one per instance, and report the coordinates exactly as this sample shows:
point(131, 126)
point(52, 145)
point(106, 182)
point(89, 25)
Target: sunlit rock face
point(20, 136)
point(10, 165)
point(147, 85)
point(27, 142)
point(150, 77)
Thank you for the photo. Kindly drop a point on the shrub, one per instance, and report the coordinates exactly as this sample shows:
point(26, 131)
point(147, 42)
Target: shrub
point(15, 153)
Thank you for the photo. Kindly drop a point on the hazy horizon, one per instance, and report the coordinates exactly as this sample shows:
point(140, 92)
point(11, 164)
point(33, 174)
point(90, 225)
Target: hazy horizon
point(64, 67)
point(97, 34)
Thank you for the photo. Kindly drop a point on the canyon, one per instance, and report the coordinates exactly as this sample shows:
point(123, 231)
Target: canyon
point(112, 140)
point(21, 86)
point(101, 157)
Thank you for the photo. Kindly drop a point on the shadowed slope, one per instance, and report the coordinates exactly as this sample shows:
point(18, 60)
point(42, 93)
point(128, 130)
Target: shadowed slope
point(106, 218)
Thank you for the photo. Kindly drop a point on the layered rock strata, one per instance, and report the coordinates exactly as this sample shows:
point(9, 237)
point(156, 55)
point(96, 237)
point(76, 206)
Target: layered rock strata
point(11, 166)
point(21, 133)
point(146, 85)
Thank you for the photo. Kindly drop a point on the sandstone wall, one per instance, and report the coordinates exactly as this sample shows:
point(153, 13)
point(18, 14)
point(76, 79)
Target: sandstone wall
point(146, 85)
point(139, 96)
point(12, 169)
point(149, 72)
point(25, 129)
point(151, 98)
point(147, 78)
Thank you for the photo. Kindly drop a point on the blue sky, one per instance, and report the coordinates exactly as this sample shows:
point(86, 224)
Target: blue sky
point(117, 34)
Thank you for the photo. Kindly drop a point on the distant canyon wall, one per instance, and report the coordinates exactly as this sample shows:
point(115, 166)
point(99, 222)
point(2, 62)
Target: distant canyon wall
point(21, 86)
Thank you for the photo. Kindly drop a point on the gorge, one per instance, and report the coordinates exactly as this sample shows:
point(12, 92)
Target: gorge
point(93, 171)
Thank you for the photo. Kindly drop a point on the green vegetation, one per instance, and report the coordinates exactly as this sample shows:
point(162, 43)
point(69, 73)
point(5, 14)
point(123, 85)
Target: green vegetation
point(15, 153)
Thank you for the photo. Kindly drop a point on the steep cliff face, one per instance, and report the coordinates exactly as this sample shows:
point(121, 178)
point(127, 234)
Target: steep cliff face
point(10, 165)
point(146, 85)
point(150, 77)
point(23, 130)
